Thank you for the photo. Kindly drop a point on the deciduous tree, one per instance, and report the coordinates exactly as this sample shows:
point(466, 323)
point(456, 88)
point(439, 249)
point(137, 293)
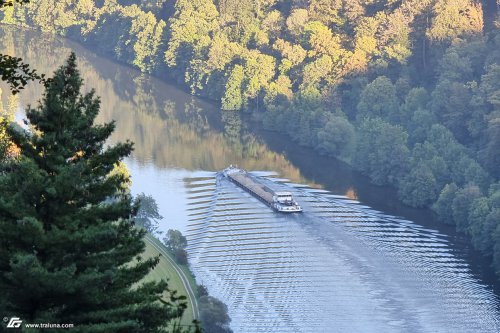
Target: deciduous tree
point(381, 151)
point(379, 99)
point(337, 137)
point(443, 206)
point(419, 188)
point(233, 97)
point(147, 214)
point(213, 315)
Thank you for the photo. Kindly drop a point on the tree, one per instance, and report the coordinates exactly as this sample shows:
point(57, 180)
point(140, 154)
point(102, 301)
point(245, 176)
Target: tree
point(296, 21)
point(379, 99)
point(213, 315)
point(482, 224)
point(490, 85)
point(147, 213)
point(295, 54)
point(221, 52)
point(174, 240)
point(321, 39)
point(418, 188)
point(201, 290)
point(465, 170)
point(491, 153)
point(455, 18)
point(443, 206)
point(426, 154)
point(326, 11)
point(259, 70)
point(16, 73)
point(420, 125)
point(278, 93)
point(316, 71)
point(494, 195)
point(191, 25)
point(354, 10)
point(7, 115)
point(365, 39)
point(69, 250)
point(416, 99)
point(455, 109)
point(461, 205)
point(381, 151)
point(6, 3)
point(394, 34)
point(445, 143)
point(176, 243)
point(337, 137)
point(496, 250)
point(273, 23)
point(146, 33)
point(233, 99)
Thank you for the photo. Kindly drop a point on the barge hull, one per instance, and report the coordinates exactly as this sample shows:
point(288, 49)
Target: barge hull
point(280, 201)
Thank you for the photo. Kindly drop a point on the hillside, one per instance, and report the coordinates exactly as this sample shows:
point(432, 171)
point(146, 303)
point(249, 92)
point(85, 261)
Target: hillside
point(408, 92)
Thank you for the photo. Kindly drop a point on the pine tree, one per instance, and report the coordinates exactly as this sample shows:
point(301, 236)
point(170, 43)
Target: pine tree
point(69, 252)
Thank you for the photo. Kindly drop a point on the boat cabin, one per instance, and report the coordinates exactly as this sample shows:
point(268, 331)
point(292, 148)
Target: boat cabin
point(283, 197)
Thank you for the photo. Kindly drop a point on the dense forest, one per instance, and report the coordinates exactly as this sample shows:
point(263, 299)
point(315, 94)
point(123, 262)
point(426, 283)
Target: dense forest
point(408, 92)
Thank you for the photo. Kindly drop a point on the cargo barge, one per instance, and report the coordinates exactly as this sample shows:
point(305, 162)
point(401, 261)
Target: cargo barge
point(281, 201)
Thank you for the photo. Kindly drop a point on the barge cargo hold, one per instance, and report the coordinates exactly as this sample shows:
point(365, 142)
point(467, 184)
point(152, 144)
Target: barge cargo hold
point(280, 201)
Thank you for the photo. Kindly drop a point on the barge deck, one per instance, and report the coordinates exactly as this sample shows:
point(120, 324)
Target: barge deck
point(279, 201)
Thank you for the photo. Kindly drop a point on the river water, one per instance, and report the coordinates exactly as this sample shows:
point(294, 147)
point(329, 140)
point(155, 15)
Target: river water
point(350, 263)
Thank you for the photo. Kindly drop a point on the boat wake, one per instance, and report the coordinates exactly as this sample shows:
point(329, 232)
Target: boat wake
point(338, 266)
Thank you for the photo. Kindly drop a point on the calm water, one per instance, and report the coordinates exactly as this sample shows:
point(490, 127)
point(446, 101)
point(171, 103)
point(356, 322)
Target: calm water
point(341, 266)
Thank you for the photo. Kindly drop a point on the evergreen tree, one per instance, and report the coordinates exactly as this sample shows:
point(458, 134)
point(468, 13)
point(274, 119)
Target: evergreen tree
point(70, 252)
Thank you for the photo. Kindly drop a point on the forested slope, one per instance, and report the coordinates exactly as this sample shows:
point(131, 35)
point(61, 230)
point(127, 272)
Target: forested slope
point(408, 92)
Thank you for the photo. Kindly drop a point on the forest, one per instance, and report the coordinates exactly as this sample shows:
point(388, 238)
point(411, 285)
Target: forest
point(407, 92)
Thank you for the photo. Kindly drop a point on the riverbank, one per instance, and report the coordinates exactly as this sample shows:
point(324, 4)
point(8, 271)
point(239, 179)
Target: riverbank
point(179, 277)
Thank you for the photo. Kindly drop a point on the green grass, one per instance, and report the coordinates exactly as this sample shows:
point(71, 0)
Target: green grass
point(165, 270)
point(184, 268)
point(190, 276)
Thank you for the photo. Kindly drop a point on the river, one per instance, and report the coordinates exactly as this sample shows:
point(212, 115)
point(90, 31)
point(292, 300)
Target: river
point(355, 261)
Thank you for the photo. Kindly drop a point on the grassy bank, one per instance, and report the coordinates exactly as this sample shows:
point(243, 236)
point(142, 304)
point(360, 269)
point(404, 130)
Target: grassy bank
point(166, 270)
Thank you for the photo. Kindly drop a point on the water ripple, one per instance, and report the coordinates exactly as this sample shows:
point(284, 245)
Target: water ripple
point(337, 267)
